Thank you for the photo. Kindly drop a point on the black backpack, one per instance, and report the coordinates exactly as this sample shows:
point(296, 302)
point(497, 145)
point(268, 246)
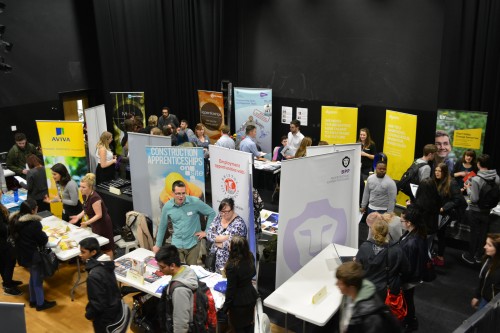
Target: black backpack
point(410, 176)
point(489, 195)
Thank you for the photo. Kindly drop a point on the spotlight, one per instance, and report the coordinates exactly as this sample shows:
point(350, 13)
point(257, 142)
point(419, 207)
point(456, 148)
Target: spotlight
point(2, 29)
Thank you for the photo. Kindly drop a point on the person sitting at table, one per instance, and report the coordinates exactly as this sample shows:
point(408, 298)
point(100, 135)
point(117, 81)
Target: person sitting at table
point(106, 161)
point(36, 182)
point(67, 191)
point(248, 145)
point(105, 303)
point(184, 211)
point(241, 295)
point(96, 213)
point(301, 152)
point(29, 237)
point(7, 256)
point(16, 158)
point(225, 225)
point(169, 263)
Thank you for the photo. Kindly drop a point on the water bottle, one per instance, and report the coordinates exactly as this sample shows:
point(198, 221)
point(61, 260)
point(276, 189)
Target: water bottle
point(16, 195)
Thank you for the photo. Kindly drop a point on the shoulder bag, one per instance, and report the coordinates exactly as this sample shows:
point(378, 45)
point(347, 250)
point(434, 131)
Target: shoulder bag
point(396, 303)
point(48, 262)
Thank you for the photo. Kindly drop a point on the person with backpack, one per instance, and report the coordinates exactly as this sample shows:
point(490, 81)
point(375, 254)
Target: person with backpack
point(241, 295)
point(418, 171)
point(361, 309)
point(484, 194)
point(105, 307)
point(178, 301)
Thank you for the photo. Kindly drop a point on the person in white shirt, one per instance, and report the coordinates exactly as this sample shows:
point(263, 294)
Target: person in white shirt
point(294, 137)
point(225, 140)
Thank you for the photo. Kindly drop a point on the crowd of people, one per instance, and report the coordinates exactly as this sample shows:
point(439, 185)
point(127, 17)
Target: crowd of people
point(393, 259)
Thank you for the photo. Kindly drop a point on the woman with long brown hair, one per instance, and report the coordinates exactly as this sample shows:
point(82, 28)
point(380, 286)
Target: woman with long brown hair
point(306, 142)
point(368, 152)
point(489, 277)
point(241, 295)
point(451, 201)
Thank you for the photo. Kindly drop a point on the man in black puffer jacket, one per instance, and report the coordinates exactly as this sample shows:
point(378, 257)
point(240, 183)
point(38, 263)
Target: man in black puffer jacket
point(361, 309)
point(105, 306)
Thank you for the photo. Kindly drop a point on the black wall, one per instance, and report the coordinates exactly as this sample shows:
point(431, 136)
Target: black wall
point(54, 51)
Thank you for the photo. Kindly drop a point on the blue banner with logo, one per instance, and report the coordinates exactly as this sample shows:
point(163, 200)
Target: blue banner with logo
point(253, 106)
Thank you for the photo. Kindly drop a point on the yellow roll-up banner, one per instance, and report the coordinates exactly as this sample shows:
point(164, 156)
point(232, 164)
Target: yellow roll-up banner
point(62, 142)
point(339, 124)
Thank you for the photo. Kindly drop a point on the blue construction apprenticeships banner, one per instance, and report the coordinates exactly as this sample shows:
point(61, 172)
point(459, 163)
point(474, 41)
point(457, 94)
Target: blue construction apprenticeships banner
point(254, 106)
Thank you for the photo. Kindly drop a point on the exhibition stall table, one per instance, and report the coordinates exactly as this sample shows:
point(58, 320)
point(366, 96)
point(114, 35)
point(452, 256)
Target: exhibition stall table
point(295, 296)
point(64, 238)
point(8, 172)
point(267, 173)
point(152, 283)
point(118, 206)
point(269, 223)
point(9, 202)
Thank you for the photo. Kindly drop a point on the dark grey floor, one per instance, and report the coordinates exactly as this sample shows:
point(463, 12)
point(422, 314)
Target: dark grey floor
point(441, 305)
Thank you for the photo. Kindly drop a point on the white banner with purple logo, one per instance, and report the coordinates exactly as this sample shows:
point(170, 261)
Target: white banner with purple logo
point(254, 106)
point(316, 208)
point(231, 178)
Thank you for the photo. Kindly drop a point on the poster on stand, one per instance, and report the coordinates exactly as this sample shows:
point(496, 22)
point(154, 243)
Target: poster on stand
point(95, 121)
point(253, 106)
point(457, 131)
point(232, 178)
point(211, 113)
point(126, 105)
point(399, 145)
point(302, 116)
point(169, 164)
point(323, 212)
point(62, 142)
point(339, 124)
point(286, 114)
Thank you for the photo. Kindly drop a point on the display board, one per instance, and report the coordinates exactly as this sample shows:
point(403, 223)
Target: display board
point(126, 105)
point(211, 113)
point(254, 107)
point(62, 142)
point(139, 166)
point(95, 121)
point(323, 211)
point(232, 178)
point(338, 124)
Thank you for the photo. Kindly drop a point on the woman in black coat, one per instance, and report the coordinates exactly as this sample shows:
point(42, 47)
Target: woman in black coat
point(7, 256)
point(428, 203)
point(241, 295)
point(414, 245)
point(452, 202)
point(29, 237)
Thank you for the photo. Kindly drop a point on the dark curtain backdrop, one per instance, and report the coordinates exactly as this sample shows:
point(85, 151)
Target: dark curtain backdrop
point(470, 68)
point(169, 49)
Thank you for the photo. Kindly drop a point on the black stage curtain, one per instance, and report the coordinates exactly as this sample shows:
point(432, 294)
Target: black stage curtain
point(470, 67)
point(169, 49)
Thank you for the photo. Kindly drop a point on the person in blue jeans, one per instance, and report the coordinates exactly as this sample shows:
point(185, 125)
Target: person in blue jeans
point(29, 237)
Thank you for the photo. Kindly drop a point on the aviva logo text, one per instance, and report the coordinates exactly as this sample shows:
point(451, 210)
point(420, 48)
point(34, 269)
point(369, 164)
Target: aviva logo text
point(59, 135)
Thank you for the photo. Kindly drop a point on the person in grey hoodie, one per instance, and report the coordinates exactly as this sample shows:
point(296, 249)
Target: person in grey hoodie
point(478, 216)
point(169, 263)
point(105, 307)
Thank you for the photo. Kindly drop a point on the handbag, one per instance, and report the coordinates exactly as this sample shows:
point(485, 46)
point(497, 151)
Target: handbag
point(396, 303)
point(48, 262)
point(126, 231)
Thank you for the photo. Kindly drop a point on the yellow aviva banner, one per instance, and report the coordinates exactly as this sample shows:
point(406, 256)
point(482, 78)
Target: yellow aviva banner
point(338, 124)
point(211, 112)
point(62, 142)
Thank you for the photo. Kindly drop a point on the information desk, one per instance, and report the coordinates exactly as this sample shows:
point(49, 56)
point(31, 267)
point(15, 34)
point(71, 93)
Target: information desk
point(155, 288)
point(118, 206)
point(64, 238)
point(296, 294)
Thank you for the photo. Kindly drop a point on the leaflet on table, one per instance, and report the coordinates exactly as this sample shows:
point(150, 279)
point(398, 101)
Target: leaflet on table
point(200, 271)
point(136, 270)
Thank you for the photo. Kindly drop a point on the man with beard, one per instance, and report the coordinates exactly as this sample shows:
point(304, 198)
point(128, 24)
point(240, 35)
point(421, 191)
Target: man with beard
point(380, 192)
point(16, 158)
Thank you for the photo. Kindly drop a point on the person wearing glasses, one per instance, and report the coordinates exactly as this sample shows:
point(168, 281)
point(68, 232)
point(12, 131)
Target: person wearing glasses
point(184, 212)
point(225, 225)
